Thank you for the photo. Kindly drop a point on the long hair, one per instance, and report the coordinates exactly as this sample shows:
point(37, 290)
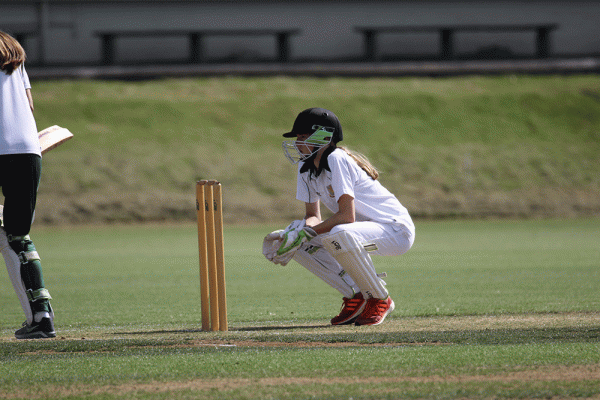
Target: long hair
point(362, 162)
point(12, 54)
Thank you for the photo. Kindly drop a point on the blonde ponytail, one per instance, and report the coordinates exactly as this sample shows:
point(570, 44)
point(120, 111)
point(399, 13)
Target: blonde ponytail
point(363, 163)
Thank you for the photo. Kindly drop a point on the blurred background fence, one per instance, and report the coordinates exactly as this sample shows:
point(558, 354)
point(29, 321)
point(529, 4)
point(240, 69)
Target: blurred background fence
point(511, 145)
point(77, 37)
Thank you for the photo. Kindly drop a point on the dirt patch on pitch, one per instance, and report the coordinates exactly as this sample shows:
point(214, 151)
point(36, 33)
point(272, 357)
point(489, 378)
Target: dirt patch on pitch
point(395, 332)
point(271, 344)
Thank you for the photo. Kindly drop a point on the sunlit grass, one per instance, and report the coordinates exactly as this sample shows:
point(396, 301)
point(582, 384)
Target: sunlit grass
point(513, 146)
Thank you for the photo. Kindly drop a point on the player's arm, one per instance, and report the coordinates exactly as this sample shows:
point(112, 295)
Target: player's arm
point(346, 214)
point(29, 98)
point(313, 214)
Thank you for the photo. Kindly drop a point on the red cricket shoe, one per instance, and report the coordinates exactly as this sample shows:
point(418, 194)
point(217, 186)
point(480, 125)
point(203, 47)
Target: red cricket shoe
point(351, 309)
point(375, 311)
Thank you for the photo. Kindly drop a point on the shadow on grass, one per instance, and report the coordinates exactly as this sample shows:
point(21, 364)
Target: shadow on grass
point(466, 337)
point(317, 333)
point(278, 328)
point(243, 329)
point(512, 336)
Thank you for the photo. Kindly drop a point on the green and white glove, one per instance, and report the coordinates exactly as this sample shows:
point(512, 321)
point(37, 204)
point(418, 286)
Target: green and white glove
point(273, 240)
point(271, 244)
point(291, 242)
point(297, 224)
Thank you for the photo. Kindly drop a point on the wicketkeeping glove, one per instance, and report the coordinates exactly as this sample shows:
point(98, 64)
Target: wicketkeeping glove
point(296, 224)
point(291, 242)
point(271, 244)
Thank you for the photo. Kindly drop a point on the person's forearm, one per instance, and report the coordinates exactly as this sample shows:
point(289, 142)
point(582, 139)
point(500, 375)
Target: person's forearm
point(327, 225)
point(312, 221)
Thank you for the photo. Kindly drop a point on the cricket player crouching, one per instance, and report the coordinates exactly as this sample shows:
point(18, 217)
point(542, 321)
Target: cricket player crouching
point(367, 219)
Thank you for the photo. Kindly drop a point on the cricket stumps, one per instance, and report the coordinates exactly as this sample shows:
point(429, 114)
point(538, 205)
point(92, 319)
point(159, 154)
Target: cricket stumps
point(212, 262)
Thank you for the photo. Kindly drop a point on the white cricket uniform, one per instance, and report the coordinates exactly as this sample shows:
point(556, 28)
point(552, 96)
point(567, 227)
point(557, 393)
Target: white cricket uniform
point(18, 130)
point(380, 218)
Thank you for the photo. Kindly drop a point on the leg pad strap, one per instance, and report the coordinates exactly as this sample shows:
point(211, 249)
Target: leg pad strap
point(38, 294)
point(26, 256)
point(23, 246)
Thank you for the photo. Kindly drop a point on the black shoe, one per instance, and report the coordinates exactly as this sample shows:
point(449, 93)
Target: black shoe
point(37, 330)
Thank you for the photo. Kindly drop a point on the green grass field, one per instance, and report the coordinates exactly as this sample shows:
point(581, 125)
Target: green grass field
point(485, 309)
point(502, 146)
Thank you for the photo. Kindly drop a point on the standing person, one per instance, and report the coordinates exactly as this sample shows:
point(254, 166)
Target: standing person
point(366, 218)
point(20, 169)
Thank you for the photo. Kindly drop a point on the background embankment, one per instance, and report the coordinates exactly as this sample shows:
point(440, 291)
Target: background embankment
point(470, 147)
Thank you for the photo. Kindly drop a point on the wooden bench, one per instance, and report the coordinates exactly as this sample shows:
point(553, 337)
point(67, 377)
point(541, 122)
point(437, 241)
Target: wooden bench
point(446, 35)
point(195, 39)
point(20, 31)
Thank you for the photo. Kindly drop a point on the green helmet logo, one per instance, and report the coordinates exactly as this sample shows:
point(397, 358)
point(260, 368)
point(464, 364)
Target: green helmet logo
point(321, 136)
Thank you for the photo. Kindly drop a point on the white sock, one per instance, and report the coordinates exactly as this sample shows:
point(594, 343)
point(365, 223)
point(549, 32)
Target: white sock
point(39, 315)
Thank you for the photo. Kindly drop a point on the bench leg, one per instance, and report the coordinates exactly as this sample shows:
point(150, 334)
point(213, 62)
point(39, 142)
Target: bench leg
point(196, 49)
point(108, 49)
point(543, 42)
point(283, 47)
point(20, 37)
point(446, 44)
point(370, 45)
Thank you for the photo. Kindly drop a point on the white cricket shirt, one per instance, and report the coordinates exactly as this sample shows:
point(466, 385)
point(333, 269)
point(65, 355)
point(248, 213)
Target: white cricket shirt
point(18, 131)
point(372, 201)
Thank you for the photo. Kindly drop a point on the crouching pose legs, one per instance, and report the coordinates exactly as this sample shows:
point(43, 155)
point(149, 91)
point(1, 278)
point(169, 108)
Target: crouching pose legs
point(366, 219)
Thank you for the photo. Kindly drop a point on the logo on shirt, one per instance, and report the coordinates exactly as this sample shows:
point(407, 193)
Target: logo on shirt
point(336, 245)
point(330, 190)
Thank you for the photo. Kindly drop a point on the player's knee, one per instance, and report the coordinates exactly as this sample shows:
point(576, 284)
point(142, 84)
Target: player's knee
point(340, 240)
point(336, 230)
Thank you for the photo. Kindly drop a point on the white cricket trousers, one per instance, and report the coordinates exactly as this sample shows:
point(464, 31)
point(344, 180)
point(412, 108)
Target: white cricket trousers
point(389, 240)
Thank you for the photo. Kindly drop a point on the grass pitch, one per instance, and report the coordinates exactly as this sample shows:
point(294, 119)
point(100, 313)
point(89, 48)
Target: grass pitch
point(484, 310)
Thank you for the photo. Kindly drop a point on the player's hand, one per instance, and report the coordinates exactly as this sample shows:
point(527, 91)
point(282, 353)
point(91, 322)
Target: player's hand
point(271, 244)
point(297, 224)
point(273, 240)
point(291, 242)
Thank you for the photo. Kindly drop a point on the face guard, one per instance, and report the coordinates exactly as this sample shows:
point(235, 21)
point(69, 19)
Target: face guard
point(320, 138)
